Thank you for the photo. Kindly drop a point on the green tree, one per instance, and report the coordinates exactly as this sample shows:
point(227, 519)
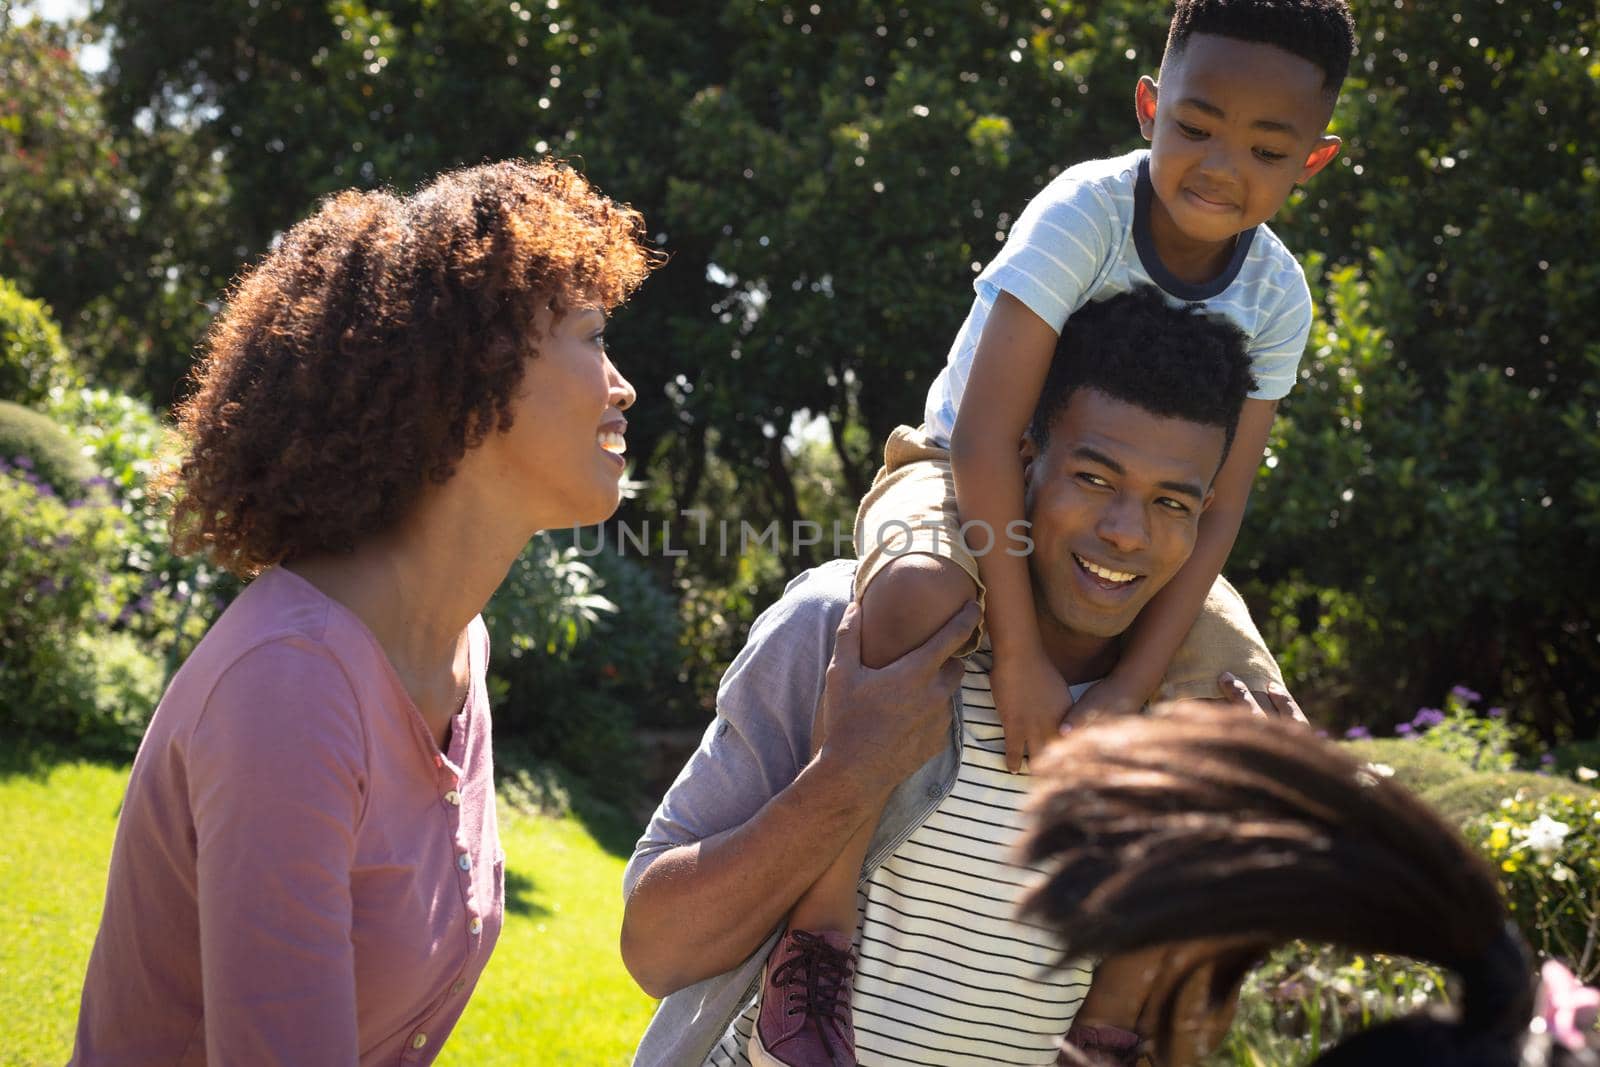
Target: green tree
point(827, 175)
point(115, 229)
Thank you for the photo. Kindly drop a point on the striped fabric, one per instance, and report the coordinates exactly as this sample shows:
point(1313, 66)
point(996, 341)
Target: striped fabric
point(946, 974)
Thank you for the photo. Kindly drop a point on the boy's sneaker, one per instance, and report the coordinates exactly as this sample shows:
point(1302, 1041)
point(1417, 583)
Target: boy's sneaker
point(804, 1020)
point(1099, 1045)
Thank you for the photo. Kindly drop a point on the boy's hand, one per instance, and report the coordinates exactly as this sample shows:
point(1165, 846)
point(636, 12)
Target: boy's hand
point(1032, 699)
point(1104, 699)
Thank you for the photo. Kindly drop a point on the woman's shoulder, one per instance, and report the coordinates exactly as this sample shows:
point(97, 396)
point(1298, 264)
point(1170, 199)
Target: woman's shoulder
point(280, 642)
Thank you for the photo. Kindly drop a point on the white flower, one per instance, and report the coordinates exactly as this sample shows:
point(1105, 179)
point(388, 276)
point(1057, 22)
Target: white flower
point(1544, 836)
point(1382, 770)
point(1587, 774)
point(1560, 872)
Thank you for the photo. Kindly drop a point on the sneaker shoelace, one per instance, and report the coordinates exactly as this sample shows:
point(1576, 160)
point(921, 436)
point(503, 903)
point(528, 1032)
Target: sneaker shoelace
point(816, 978)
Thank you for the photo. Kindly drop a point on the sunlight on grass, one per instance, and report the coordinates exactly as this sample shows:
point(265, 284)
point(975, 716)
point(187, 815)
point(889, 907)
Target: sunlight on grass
point(52, 878)
point(555, 991)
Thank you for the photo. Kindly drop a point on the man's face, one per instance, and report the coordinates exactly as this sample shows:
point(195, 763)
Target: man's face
point(1232, 127)
point(1115, 500)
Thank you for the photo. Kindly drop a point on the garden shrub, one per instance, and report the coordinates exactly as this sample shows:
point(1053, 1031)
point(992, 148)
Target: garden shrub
point(65, 587)
point(177, 598)
point(33, 442)
point(1415, 766)
point(108, 687)
point(1581, 759)
point(33, 358)
point(1482, 791)
point(585, 650)
point(1487, 741)
point(1547, 847)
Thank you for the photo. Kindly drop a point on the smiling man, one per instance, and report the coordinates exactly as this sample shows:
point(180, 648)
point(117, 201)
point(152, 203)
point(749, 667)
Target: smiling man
point(1134, 422)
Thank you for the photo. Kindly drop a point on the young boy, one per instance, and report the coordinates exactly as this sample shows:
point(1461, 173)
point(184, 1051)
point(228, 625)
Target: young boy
point(1237, 119)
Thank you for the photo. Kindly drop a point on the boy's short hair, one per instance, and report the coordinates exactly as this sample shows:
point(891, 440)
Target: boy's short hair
point(1318, 31)
point(1174, 362)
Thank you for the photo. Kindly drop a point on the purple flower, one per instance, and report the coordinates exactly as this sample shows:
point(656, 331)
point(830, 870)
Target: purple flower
point(1356, 733)
point(1405, 729)
point(1546, 759)
point(1497, 713)
point(76, 503)
point(44, 489)
point(1426, 717)
point(1471, 696)
point(23, 461)
point(47, 587)
point(142, 605)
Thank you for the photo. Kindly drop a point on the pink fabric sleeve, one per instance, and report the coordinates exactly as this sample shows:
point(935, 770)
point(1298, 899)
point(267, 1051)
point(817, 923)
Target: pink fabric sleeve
point(277, 783)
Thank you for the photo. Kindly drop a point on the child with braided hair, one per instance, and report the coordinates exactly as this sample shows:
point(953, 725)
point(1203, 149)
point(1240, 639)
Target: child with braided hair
point(1227, 836)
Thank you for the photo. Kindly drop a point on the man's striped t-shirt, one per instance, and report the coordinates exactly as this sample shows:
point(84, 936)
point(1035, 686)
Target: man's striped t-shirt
point(946, 973)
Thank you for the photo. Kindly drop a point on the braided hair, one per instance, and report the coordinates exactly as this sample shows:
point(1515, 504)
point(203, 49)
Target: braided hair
point(1202, 825)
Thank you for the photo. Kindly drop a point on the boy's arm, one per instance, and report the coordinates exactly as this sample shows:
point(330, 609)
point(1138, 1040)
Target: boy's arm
point(1166, 620)
point(1008, 373)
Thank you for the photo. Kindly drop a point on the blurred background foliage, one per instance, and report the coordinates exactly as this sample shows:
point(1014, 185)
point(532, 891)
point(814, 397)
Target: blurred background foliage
point(827, 179)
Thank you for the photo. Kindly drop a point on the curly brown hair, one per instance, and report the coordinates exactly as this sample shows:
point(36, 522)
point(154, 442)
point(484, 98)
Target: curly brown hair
point(383, 338)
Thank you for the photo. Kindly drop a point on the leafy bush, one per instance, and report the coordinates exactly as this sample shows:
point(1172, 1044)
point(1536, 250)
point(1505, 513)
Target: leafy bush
point(31, 442)
point(1491, 741)
point(128, 444)
point(1468, 797)
point(1547, 846)
point(33, 359)
point(1443, 434)
point(1581, 759)
point(65, 588)
point(1306, 998)
point(585, 650)
point(1415, 766)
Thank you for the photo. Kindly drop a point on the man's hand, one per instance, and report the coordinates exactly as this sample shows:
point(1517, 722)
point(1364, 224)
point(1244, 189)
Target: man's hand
point(1031, 699)
point(1275, 702)
point(883, 724)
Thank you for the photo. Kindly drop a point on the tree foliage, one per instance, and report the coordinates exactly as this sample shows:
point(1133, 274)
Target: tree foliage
point(826, 177)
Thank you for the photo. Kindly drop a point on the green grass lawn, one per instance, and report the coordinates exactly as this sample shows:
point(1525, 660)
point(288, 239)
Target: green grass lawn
point(555, 991)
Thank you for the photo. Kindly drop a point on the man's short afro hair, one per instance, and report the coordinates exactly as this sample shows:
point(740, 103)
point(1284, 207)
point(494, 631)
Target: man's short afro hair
point(1318, 31)
point(1178, 362)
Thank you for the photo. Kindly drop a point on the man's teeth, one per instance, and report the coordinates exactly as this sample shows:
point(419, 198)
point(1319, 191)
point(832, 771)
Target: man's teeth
point(1106, 572)
point(613, 442)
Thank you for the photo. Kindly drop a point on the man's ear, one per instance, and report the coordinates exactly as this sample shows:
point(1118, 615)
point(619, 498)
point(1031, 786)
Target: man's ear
point(1327, 147)
point(1144, 105)
point(1028, 451)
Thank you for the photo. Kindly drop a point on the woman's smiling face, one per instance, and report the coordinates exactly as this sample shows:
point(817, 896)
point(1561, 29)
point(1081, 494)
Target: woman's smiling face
point(564, 451)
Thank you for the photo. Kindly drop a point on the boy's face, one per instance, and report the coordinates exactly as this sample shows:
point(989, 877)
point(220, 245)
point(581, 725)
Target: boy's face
point(1233, 126)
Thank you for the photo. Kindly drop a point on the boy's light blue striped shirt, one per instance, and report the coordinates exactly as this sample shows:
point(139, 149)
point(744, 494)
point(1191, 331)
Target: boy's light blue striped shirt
point(1086, 237)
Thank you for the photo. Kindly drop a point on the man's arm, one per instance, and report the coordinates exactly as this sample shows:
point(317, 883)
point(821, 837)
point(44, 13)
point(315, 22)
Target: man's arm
point(703, 906)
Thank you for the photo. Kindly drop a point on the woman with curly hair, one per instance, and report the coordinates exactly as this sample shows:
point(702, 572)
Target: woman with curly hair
point(307, 867)
point(1223, 837)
